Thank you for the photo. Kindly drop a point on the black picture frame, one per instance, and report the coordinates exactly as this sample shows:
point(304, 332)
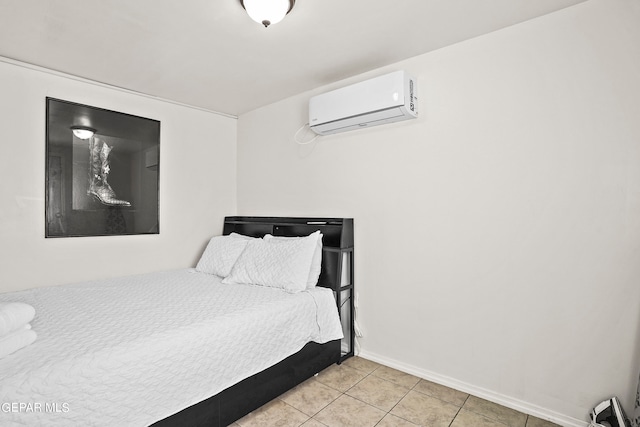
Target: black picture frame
point(104, 185)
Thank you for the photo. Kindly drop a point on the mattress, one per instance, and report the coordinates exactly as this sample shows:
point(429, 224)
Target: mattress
point(134, 350)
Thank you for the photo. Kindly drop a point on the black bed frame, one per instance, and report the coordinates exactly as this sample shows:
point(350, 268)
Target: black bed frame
point(238, 400)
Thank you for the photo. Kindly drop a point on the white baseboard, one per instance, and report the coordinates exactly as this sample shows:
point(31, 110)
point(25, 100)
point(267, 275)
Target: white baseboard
point(509, 402)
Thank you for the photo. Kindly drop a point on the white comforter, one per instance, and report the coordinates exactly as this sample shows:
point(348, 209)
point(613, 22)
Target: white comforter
point(134, 350)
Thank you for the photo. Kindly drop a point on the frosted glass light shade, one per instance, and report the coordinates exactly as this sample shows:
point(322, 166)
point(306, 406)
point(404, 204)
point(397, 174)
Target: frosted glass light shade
point(267, 12)
point(83, 132)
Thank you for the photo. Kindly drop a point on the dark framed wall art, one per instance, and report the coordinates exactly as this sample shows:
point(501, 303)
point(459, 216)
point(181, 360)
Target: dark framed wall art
point(102, 172)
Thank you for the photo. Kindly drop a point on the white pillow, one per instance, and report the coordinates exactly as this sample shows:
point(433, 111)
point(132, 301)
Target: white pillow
point(221, 254)
point(283, 264)
point(316, 261)
point(242, 236)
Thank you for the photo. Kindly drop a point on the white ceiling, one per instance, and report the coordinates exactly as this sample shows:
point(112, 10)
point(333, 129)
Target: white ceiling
point(209, 54)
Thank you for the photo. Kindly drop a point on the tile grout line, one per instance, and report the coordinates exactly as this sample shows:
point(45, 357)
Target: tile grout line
point(366, 403)
point(459, 409)
point(359, 400)
point(412, 388)
point(342, 393)
point(406, 390)
point(311, 417)
point(398, 402)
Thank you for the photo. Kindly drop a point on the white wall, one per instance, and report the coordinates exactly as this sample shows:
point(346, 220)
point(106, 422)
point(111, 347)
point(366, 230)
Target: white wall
point(498, 236)
point(197, 184)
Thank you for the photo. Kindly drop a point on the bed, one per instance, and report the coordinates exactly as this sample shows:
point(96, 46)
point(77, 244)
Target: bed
point(175, 347)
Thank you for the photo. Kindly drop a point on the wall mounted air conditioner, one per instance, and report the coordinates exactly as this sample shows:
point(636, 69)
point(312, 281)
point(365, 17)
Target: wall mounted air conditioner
point(385, 99)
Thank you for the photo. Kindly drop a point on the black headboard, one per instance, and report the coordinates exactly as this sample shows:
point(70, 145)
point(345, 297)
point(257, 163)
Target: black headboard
point(337, 237)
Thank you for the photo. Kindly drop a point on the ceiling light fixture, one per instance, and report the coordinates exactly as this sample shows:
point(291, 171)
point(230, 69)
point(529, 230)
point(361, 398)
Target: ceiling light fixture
point(267, 12)
point(83, 132)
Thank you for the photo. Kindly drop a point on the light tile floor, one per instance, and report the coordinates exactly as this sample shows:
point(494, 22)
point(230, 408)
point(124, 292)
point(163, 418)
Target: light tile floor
point(362, 393)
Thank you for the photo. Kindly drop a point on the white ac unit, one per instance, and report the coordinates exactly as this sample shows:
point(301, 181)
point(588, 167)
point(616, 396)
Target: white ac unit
point(385, 99)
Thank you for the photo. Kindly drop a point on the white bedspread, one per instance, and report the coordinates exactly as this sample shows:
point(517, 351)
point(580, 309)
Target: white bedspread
point(134, 350)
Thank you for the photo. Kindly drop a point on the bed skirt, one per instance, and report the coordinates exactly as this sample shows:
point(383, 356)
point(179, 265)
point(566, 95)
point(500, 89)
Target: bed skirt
point(238, 400)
